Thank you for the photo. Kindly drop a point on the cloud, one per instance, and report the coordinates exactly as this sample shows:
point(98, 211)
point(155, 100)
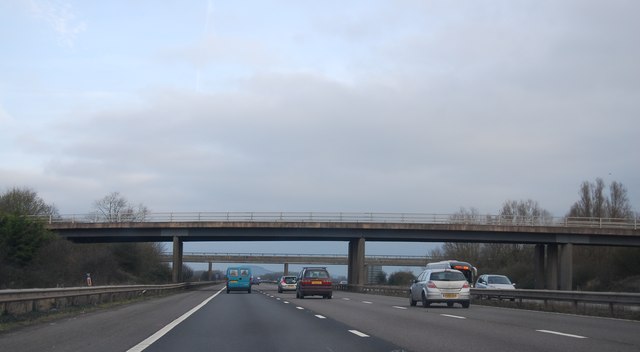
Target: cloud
point(306, 142)
point(5, 118)
point(61, 17)
point(461, 107)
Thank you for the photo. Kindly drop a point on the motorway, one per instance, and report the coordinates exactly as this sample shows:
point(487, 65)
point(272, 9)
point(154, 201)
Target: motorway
point(211, 320)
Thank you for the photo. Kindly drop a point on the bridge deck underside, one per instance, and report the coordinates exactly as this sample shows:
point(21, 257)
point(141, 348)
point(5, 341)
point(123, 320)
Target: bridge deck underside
point(162, 232)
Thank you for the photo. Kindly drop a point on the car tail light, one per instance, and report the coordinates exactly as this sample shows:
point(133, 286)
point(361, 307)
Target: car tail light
point(465, 285)
point(431, 284)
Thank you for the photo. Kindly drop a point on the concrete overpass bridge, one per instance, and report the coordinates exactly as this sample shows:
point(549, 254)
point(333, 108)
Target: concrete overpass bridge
point(553, 237)
point(310, 259)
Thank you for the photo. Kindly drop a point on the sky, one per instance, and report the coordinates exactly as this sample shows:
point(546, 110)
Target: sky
point(366, 106)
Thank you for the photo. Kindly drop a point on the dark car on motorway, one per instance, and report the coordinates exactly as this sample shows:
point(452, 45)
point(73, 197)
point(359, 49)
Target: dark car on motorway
point(287, 283)
point(440, 286)
point(314, 281)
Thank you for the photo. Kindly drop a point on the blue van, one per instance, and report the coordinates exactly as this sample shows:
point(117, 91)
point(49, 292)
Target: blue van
point(239, 279)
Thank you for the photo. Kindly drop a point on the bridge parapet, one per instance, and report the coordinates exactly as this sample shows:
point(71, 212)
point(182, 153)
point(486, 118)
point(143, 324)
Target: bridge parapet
point(352, 217)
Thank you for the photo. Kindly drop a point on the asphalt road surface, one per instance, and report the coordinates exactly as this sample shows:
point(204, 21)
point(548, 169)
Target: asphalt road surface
point(212, 320)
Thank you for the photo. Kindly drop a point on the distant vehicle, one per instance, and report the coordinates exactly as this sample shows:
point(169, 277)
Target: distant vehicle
point(343, 282)
point(238, 279)
point(440, 286)
point(287, 283)
point(496, 282)
point(256, 280)
point(468, 270)
point(314, 281)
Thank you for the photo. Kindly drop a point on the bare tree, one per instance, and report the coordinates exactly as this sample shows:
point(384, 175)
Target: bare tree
point(594, 202)
point(618, 206)
point(464, 215)
point(524, 212)
point(116, 208)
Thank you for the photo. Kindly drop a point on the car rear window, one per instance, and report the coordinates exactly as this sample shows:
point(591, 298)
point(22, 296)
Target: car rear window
point(447, 276)
point(316, 273)
point(233, 272)
point(290, 280)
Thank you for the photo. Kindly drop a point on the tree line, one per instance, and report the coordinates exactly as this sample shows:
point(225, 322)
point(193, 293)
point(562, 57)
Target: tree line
point(595, 268)
point(32, 256)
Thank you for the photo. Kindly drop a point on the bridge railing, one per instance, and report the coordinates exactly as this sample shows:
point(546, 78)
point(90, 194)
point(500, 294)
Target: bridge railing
point(211, 254)
point(350, 217)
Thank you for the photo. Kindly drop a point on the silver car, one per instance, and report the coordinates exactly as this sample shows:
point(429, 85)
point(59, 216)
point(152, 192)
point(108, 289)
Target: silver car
point(496, 282)
point(287, 283)
point(440, 286)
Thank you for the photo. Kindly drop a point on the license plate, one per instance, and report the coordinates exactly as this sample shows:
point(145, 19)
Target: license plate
point(450, 295)
point(316, 282)
point(234, 281)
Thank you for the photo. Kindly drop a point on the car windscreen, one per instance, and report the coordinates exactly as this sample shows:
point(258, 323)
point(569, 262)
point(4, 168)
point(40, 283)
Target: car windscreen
point(447, 276)
point(499, 280)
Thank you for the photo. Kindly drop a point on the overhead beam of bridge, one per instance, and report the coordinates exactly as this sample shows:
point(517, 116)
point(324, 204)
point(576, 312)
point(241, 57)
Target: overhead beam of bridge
point(259, 258)
point(558, 235)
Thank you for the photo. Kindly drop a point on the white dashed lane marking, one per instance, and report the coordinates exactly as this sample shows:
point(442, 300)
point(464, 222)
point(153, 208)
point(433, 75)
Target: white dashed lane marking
point(452, 316)
point(562, 334)
point(358, 333)
point(320, 316)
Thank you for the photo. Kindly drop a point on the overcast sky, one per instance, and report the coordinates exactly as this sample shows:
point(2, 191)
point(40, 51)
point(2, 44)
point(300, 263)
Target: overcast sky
point(383, 106)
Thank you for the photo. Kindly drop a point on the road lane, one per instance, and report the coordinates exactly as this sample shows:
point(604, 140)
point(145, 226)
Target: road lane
point(255, 322)
point(478, 328)
point(107, 330)
point(280, 322)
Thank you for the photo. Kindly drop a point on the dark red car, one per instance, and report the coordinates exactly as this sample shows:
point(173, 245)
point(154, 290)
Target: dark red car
point(314, 281)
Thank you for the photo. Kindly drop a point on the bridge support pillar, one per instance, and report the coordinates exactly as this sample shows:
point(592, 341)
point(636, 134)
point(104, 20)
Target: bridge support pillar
point(176, 274)
point(552, 267)
point(539, 266)
point(356, 271)
point(286, 269)
point(210, 272)
point(565, 271)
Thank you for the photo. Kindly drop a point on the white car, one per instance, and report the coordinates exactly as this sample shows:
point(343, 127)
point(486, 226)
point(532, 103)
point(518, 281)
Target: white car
point(440, 286)
point(495, 282)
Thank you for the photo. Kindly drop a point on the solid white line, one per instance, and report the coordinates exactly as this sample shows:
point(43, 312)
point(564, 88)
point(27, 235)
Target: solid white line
point(399, 307)
point(367, 302)
point(453, 316)
point(356, 332)
point(562, 334)
point(320, 316)
point(155, 337)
